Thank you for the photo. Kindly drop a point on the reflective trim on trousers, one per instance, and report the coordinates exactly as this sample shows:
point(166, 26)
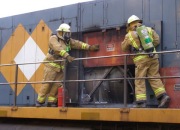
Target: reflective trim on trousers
point(140, 97)
point(52, 99)
point(41, 99)
point(159, 91)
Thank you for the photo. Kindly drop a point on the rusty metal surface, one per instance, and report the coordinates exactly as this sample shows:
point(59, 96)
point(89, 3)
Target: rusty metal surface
point(172, 85)
point(110, 44)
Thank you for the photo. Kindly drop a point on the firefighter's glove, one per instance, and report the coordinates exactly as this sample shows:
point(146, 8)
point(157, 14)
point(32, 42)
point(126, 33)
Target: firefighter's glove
point(70, 58)
point(94, 47)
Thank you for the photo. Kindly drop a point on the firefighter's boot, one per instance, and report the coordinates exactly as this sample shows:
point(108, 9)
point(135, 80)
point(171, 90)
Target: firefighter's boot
point(164, 101)
point(39, 104)
point(51, 104)
point(140, 105)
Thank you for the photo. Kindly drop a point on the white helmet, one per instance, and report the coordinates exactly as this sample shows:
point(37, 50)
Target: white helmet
point(132, 19)
point(64, 27)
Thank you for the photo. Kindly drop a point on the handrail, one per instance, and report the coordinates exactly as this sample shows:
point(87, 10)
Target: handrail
point(125, 78)
point(89, 58)
point(90, 80)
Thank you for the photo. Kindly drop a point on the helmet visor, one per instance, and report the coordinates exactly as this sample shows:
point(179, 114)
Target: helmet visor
point(67, 34)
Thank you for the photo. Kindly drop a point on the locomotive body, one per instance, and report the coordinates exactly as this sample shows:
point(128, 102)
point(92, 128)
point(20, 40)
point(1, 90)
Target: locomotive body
point(97, 83)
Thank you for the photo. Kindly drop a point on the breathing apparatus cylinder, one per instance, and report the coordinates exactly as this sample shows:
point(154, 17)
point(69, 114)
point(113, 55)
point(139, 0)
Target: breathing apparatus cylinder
point(145, 38)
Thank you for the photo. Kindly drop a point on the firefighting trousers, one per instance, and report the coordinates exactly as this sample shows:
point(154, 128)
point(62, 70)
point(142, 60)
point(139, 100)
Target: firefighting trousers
point(50, 89)
point(148, 69)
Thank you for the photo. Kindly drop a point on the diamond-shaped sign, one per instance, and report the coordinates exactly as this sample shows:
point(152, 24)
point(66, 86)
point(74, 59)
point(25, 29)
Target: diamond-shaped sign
point(29, 53)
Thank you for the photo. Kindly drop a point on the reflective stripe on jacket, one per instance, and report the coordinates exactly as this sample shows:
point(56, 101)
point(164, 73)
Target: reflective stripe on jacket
point(61, 50)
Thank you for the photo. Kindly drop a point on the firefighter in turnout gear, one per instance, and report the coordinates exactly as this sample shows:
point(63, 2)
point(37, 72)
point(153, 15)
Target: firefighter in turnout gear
point(145, 65)
point(59, 46)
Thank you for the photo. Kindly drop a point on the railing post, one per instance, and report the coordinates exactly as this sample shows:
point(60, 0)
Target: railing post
point(64, 83)
point(125, 81)
point(15, 84)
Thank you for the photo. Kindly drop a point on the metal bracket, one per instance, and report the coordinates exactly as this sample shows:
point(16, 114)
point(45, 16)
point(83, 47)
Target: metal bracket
point(177, 87)
point(14, 108)
point(125, 110)
point(63, 109)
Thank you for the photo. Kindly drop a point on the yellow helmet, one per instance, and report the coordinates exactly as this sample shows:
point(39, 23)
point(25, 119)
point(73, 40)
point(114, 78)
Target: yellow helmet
point(64, 27)
point(132, 19)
